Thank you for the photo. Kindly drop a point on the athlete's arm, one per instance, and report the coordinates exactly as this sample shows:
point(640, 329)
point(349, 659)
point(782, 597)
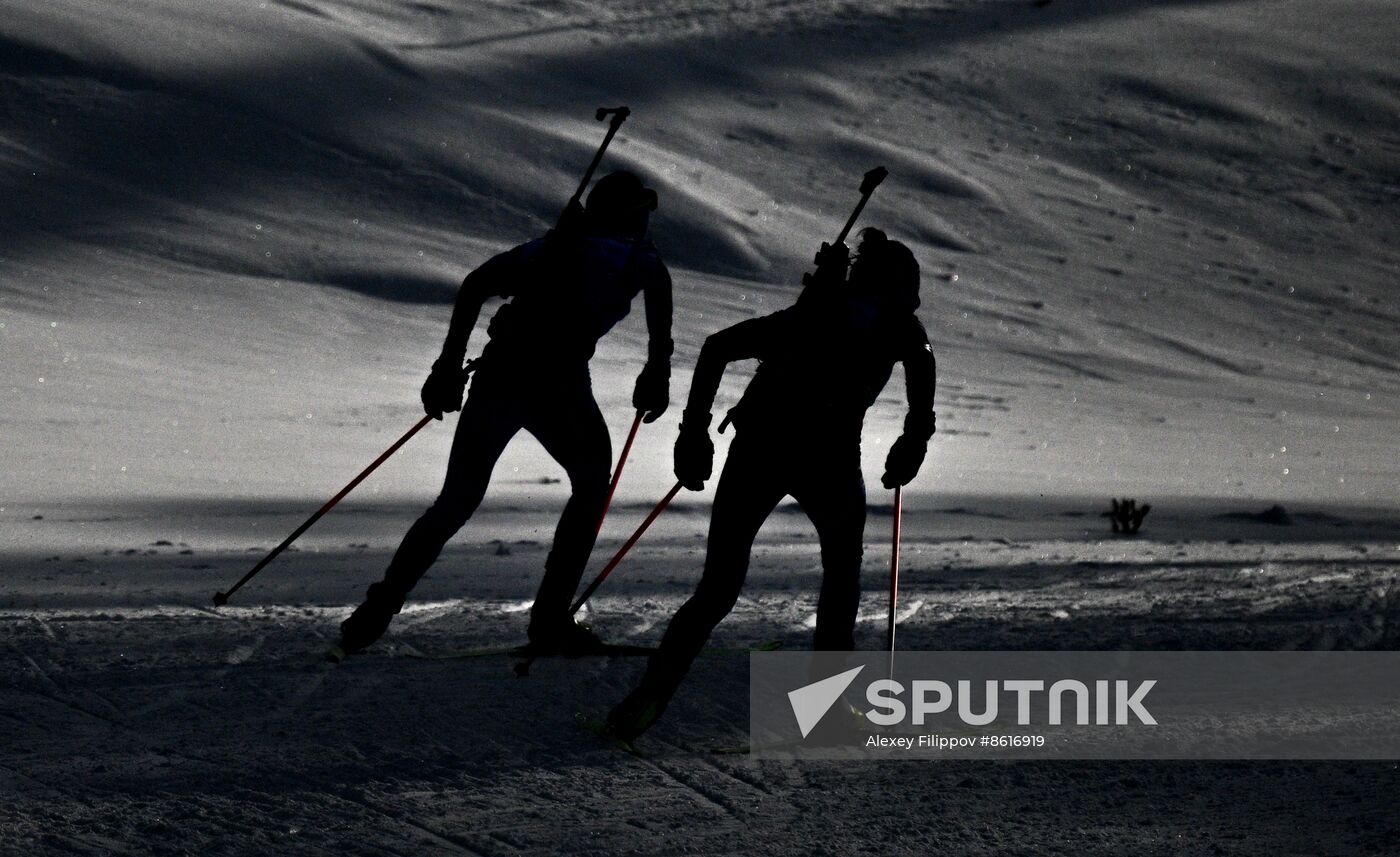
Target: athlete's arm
point(695, 451)
point(652, 393)
point(743, 341)
point(656, 295)
point(920, 379)
point(906, 454)
point(493, 278)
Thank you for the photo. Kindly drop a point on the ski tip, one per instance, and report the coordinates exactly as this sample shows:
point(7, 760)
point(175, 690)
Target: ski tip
point(600, 728)
point(335, 654)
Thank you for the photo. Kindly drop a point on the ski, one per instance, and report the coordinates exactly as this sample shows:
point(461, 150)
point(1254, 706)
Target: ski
point(453, 654)
point(853, 724)
point(768, 646)
point(609, 651)
point(599, 728)
point(747, 749)
point(336, 654)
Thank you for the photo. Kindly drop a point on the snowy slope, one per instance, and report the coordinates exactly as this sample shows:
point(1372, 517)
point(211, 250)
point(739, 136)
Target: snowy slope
point(1154, 235)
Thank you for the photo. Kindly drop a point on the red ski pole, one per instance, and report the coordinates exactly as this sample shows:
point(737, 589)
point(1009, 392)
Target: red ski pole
point(221, 598)
point(522, 669)
point(894, 568)
point(617, 472)
point(626, 546)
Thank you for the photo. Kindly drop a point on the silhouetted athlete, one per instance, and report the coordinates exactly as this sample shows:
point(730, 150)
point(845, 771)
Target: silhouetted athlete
point(567, 290)
point(798, 425)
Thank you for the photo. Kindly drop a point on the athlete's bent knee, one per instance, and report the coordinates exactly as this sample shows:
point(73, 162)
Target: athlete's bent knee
point(448, 515)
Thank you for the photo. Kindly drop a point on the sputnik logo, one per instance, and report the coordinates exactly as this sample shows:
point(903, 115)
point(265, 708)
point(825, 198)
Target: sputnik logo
point(811, 702)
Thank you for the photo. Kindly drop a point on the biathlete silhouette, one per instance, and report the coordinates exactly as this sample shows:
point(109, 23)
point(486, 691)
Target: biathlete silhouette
point(565, 290)
point(798, 426)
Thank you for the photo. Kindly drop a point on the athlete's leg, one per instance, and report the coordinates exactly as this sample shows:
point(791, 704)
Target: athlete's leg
point(833, 496)
point(750, 486)
point(485, 426)
point(572, 430)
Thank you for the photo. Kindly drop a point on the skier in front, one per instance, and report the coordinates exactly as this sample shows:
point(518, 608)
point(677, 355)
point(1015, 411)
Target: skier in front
point(823, 363)
point(566, 291)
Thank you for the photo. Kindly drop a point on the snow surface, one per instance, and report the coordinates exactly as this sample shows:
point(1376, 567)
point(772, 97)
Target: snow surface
point(1158, 253)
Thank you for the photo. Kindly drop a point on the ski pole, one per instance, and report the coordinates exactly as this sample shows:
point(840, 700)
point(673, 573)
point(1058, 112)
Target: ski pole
point(626, 546)
point(617, 472)
point(619, 115)
point(221, 598)
point(522, 669)
point(894, 568)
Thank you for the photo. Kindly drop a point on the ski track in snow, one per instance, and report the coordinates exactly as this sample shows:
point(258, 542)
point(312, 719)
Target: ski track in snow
point(228, 729)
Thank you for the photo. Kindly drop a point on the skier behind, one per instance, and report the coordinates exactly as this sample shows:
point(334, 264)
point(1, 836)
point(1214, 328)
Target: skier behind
point(567, 290)
point(823, 363)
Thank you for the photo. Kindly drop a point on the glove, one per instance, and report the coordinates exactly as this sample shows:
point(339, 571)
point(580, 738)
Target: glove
point(652, 394)
point(443, 391)
point(904, 460)
point(695, 452)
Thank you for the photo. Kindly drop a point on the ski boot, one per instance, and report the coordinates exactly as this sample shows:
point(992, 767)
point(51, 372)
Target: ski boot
point(564, 638)
point(635, 714)
point(365, 626)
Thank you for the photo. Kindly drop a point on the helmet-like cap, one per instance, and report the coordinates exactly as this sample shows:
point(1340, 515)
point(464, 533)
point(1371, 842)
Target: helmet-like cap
point(890, 267)
point(618, 194)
